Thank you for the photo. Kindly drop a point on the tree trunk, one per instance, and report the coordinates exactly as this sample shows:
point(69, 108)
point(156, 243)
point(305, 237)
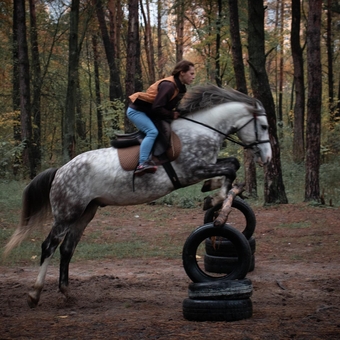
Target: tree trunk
point(97, 90)
point(299, 107)
point(160, 55)
point(115, 86)
point(16, 91)
point(330, 47)
point(274, 189)
point(116, 18)
point(15, 73)
point(236, 47)
point(69, 140)
point(133, 82)
point(280, 113)
point(25, 102)
point(218, 77)
point(80, 120)
point(36, 79)
point(179, 30)
point(313, 134)
point(241, 85)
point(148, 43)
point(338, 105)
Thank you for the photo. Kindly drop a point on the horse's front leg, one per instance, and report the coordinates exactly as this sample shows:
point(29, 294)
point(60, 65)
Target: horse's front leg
point(223, 167)
point(223, 183)
point(224, 173)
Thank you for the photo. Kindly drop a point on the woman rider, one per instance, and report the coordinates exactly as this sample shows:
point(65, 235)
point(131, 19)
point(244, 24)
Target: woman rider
point(158, 102)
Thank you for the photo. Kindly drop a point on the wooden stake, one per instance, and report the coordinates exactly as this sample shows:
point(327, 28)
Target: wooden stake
point(222, 217)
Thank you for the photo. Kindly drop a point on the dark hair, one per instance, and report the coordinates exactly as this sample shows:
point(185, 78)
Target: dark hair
point(182, 66)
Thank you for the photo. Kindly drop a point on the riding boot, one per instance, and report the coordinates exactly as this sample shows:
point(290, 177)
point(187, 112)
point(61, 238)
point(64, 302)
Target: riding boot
point(146, 167)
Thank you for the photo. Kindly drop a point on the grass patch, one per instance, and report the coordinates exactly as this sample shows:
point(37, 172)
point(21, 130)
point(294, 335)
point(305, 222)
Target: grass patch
point(28, 253)
point(137, 248)
point(11, 193)
point(186, 198)
point(10, 200)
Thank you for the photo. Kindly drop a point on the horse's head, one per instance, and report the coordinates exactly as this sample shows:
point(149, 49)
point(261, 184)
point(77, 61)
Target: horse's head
point(241, 114)
point(253, 132)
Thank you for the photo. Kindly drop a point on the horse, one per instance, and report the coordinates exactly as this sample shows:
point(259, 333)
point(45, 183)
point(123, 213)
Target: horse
point(73, 192)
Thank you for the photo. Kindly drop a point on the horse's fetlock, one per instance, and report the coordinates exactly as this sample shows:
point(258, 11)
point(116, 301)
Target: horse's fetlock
point(64, 290)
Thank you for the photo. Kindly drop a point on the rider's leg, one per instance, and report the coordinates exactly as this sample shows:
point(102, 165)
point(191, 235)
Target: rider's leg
point(145, 124)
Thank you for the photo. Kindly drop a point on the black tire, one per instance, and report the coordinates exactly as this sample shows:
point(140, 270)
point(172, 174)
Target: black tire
point(223, 247)
point(244, 208)
point(191, 266)
point(217, 310)
point(224, 265)
point(221, 290)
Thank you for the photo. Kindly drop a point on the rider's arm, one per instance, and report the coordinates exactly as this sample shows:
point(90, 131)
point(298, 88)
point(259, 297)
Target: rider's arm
point(163, 106)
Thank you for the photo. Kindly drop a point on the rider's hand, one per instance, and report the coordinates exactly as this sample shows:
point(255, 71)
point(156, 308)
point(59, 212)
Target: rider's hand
point(176, 114)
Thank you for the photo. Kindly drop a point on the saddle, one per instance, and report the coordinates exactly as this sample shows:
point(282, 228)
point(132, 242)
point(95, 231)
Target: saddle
point(128, 146)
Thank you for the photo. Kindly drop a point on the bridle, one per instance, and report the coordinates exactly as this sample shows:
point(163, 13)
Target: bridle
point(233, 131)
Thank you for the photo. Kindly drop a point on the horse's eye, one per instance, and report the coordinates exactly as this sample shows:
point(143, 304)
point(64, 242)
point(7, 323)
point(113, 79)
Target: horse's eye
point(264, 127)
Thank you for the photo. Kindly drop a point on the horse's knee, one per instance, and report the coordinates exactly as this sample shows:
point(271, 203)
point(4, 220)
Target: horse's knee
point(213, 183)
point(49, 246)
point(230, 175)
point(235, 162)
point(230, 161)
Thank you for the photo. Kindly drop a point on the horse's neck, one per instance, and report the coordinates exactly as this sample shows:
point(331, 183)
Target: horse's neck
point(221, 117)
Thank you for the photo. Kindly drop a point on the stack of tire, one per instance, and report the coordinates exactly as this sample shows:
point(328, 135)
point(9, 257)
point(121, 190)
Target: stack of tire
point(227, 300)
point(221, 255)
point(226, 296)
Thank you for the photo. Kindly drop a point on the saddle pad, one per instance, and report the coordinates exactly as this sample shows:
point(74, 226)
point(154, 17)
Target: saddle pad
point(128, 157)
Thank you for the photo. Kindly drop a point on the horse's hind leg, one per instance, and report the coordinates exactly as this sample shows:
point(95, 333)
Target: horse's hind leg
point(69, 245)
point(48, 248)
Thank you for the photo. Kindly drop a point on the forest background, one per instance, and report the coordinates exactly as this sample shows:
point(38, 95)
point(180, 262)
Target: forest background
point(67, 68)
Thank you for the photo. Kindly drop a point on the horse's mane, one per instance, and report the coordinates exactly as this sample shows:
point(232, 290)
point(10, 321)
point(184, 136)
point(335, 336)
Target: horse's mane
point(206, 96)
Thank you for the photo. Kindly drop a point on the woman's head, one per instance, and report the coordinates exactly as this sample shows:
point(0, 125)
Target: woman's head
point(185, 71)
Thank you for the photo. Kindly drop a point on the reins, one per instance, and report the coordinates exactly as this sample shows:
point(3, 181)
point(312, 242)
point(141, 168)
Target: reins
point(228, 137)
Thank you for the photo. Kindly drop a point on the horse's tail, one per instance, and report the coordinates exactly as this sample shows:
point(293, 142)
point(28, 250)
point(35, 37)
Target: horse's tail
point(36, 207)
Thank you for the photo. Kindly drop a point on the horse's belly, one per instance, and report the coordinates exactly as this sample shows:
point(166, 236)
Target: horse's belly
point(138, 193)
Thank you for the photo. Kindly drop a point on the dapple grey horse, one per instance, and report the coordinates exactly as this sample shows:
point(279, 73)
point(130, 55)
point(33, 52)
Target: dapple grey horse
point(95, 178)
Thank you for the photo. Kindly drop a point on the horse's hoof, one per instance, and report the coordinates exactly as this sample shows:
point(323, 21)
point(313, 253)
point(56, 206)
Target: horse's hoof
point(32, 301)
point(64, 290)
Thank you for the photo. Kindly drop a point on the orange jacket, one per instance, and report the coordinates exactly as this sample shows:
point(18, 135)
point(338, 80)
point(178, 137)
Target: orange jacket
point(151, 93)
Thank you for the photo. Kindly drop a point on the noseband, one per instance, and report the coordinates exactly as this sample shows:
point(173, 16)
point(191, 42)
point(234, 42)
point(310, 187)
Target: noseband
point(233, 131)
point(257, 141)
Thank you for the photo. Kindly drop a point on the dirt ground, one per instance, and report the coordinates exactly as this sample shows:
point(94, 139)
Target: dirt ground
point(295, 296)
